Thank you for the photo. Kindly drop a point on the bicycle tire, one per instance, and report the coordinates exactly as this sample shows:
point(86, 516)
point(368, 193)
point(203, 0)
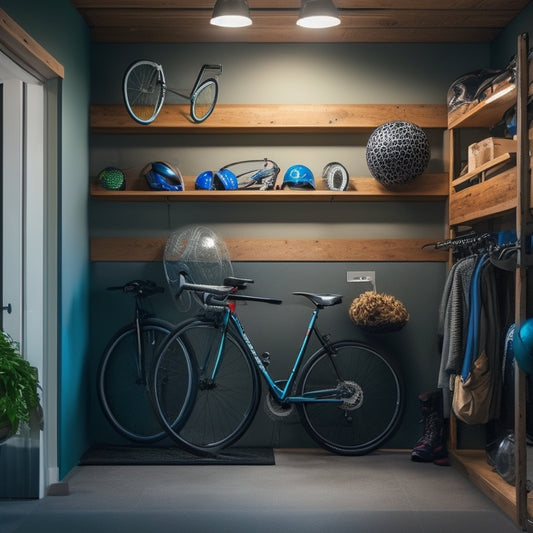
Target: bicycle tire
point(204, 100)
point(123, 391)
point(144, 90)
point(372, 410)
point(222, 409)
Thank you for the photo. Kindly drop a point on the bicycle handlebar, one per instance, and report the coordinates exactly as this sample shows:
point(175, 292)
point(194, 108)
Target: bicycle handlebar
point(263, 299)
point(217, 294)
point(139, 287)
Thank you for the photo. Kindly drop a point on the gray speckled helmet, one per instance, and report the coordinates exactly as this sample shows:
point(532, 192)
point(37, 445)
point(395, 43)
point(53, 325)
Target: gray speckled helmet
point(397, 152)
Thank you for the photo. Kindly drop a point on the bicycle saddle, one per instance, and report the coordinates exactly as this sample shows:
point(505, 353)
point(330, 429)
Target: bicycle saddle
point(322, 300)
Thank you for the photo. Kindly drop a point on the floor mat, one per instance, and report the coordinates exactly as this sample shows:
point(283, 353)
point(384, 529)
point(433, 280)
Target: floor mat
point(104, 454)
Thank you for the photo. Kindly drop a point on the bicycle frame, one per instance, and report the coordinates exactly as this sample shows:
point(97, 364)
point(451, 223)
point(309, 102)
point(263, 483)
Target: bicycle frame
point(282, 394)
point(140, 315)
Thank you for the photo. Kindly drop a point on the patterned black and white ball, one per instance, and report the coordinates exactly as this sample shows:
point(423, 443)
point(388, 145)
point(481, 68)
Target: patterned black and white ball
point(397, 152)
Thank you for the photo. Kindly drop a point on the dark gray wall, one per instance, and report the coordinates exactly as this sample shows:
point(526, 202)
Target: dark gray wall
point(280, 330)
point(287, 73)
point(284, 74)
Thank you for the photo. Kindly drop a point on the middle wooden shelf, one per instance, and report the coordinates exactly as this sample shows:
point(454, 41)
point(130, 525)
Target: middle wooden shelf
point(428, 187)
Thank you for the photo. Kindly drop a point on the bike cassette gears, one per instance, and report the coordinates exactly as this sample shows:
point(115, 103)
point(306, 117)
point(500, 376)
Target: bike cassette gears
point(336, 177)
point(351, 394)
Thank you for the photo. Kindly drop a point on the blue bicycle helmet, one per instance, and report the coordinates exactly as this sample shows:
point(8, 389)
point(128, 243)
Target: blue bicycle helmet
point(222, 180)
point(163, 177)
point(298, 177)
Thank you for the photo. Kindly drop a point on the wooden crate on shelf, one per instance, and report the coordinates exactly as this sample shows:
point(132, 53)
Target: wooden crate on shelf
point(486, 198)
point(487, 150)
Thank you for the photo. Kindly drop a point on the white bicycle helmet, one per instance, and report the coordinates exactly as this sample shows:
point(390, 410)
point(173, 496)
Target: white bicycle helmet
point(336, 177)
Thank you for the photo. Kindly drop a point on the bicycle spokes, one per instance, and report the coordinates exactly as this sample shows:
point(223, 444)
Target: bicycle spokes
point(145, 89)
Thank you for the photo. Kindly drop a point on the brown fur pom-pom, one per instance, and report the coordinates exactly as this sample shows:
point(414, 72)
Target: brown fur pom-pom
point(378, 312)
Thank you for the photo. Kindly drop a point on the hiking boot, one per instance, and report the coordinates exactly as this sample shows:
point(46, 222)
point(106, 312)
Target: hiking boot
point(431, 446)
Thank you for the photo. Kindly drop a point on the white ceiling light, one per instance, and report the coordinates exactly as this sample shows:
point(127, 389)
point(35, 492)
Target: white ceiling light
point(231, 14)
point(318, 14)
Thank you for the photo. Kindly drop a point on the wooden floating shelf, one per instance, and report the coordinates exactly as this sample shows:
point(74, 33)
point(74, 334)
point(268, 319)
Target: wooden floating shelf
point(269, 118)
point(428, 187)
point(144, 249)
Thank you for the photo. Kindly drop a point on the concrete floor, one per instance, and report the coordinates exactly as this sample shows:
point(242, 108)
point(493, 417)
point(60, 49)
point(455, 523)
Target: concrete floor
point(306, 491)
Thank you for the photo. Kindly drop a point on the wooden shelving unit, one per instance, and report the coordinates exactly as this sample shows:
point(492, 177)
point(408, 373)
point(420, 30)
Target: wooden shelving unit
point(275, 119)
point(298, 119)
point(505, 193)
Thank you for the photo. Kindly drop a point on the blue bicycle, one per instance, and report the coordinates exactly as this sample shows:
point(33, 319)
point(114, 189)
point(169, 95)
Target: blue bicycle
point(349, 396)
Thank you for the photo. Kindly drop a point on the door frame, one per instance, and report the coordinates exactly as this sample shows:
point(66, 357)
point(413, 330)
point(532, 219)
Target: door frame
point(31, 57)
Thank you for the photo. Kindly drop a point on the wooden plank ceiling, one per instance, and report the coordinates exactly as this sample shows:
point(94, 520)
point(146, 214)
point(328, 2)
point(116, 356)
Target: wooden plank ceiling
point(385, 21)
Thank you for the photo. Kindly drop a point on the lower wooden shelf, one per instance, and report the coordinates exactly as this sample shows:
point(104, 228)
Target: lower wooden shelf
point(251, 249)
point(473, 463)
point(491, 197)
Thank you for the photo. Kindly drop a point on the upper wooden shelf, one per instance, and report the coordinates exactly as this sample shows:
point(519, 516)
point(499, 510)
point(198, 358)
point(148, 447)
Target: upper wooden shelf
point(270, 118)
point(486, 113)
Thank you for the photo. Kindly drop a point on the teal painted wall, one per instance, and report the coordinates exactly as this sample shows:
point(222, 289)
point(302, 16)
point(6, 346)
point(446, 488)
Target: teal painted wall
point(504, 46)
point(57, 26)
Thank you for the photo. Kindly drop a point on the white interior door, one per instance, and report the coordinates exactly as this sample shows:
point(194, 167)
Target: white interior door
point(12, 205)
point(23, 219)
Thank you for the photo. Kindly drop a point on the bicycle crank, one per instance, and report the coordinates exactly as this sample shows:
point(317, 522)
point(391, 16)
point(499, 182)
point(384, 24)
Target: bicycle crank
point(277, 410)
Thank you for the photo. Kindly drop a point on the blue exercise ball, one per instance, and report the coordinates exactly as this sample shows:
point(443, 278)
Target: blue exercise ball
point(523, 346)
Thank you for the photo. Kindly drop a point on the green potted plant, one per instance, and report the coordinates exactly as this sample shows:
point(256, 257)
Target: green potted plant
point(18, 387)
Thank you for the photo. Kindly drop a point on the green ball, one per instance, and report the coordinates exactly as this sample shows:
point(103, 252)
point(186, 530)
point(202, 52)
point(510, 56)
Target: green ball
point(112, 178)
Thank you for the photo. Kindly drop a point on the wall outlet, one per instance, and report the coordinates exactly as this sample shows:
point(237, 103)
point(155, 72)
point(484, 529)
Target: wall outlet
point(362, 276)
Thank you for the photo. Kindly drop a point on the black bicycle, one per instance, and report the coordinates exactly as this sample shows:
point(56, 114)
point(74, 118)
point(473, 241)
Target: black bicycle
point(348, 394)
point(125, 367)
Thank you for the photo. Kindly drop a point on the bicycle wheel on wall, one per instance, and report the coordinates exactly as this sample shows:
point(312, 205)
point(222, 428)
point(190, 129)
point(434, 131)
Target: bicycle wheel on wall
point(225, 399)
point(123, 381)
point(144, 90)
point(372, 389)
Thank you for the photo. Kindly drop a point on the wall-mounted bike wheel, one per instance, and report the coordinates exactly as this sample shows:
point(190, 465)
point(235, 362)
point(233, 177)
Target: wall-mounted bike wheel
point(144, 90)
